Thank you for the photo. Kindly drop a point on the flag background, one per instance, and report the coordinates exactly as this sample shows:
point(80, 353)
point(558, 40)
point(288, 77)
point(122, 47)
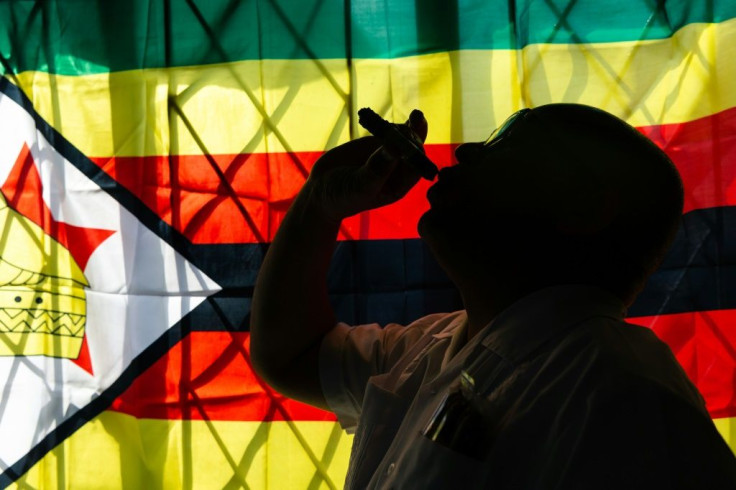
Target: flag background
point(212, 113)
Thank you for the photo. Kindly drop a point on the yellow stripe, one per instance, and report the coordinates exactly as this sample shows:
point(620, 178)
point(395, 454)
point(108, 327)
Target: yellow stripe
point(220, 108)
point(727, 428)
point(119, 451)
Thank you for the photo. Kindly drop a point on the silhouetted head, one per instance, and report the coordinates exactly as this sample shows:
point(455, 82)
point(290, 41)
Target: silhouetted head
point(559, 194)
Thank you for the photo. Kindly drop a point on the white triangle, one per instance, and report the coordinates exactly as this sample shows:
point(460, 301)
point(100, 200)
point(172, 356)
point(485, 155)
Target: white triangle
point(139, 287)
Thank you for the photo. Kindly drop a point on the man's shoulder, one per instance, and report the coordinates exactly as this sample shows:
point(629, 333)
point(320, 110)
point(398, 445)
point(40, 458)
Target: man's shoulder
point(433, 324)
point(620, 331)
point(618, 339)
point(632, 356)
point(400, 338)
point(439, 323)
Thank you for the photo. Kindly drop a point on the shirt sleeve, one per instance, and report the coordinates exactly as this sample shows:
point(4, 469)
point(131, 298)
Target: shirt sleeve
point(349, 356)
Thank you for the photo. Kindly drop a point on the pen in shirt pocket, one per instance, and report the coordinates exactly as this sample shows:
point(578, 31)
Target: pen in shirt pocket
point(462, 422)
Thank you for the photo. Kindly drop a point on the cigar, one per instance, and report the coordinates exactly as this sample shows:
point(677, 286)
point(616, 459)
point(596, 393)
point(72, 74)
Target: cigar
point(389, 135)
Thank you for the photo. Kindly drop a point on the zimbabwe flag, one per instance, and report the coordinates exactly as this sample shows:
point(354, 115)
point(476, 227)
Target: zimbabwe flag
point(149, 149)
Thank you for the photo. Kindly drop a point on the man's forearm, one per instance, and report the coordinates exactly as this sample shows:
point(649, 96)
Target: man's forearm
point(291, 312)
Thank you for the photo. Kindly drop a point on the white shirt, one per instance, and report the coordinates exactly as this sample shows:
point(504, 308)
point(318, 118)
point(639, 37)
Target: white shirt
point(564, 389)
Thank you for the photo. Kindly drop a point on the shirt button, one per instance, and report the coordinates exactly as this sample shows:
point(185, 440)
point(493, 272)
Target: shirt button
point(390, 468)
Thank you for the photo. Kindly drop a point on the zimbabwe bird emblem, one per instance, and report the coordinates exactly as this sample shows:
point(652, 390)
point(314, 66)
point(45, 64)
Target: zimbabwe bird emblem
point(42, 298)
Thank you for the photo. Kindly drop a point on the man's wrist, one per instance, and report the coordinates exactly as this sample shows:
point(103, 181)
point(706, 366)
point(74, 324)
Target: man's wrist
point(310, 207)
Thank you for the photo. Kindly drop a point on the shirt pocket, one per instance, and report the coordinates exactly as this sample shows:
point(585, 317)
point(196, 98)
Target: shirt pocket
point(427, 464)
point(380, 419)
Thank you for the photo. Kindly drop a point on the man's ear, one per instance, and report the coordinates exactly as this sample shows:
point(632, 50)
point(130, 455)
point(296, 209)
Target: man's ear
point(587, 212)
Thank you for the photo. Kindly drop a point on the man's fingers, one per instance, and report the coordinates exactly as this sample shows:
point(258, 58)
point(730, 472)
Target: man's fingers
point(385, 165)
point(380, 165)
point(418, 124)
point(363, 174)
point(356, 151)
point(401, 180)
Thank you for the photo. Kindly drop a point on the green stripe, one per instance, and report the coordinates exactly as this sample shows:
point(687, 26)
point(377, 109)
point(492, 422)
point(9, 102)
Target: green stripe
point(75, 37)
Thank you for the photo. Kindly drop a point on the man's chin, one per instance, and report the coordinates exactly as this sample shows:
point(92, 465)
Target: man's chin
point(438, 224)
point(426, 224)
point(450, 238)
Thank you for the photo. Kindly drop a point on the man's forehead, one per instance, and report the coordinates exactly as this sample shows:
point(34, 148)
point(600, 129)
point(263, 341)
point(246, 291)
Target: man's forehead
point(546, 130)
point(522, 133)
point(538, 137)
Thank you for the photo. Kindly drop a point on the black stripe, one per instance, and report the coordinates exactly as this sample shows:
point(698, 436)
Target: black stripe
point(699, 273)
point(399, 281)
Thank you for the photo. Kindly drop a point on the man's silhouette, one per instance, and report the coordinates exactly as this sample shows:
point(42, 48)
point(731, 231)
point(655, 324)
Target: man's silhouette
point(549, 230)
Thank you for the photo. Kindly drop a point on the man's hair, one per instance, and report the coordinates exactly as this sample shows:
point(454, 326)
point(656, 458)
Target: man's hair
point(646, 190)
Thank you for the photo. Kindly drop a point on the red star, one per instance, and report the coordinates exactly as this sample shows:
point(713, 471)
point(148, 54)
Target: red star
point(23, 192)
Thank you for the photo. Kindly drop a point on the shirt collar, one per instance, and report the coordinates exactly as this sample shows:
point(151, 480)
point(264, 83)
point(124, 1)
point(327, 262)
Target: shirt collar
point(529, 322)
point(455, 332)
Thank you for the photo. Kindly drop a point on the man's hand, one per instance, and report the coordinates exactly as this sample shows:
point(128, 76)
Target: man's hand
point(362, 175)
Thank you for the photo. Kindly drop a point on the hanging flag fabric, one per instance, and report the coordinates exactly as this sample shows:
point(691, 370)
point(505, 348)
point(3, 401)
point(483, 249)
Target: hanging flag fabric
point(149, 150)
point(87, 287)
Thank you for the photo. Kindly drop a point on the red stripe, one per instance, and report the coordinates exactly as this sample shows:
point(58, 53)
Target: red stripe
point(208, 376)
point(704, 151)
point(186, 191)
point(23, 191)
point(704, 343)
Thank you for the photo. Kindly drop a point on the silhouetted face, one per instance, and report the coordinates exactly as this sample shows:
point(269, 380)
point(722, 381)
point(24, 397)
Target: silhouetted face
point(556, 195)
point(526, 174)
